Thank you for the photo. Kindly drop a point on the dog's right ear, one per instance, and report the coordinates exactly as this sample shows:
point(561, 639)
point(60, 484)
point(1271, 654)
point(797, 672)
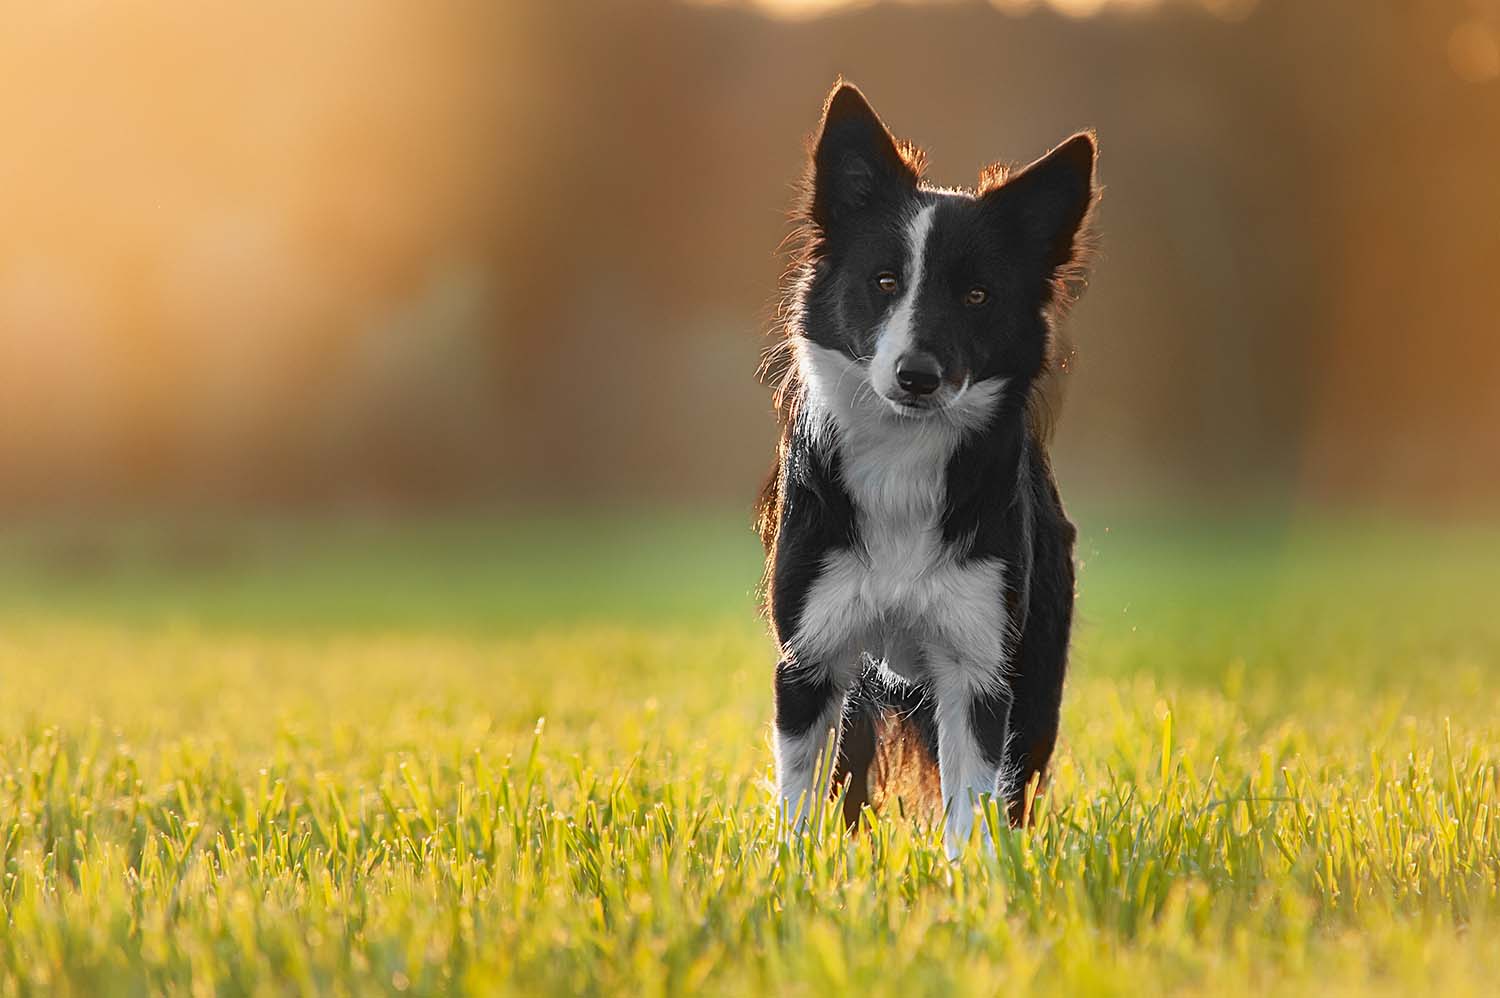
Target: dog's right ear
point(856, 161)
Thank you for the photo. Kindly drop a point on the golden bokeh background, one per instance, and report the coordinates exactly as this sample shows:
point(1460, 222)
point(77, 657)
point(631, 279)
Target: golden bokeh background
point(427, 254)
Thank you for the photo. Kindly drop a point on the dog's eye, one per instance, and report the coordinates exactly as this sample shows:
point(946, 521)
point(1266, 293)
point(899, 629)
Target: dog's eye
point(886, 282)
point(976, 296)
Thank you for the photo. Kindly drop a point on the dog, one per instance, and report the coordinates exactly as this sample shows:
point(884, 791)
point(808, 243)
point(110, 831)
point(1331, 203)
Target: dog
point(919, 563)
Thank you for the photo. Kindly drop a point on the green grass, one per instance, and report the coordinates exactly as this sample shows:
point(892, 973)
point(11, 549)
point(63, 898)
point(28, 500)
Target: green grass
point(308, 757)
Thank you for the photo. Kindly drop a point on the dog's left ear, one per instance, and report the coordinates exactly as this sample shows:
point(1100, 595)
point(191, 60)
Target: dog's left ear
point(1045, 204)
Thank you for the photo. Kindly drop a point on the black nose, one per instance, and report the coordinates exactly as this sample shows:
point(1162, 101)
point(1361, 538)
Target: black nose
point(918, 373)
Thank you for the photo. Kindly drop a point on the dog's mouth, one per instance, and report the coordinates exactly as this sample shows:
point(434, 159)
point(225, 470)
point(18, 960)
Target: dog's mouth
point(914, 408)
point(910, 406)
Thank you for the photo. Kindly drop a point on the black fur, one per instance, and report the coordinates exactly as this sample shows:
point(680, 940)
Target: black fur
point(1020, 236)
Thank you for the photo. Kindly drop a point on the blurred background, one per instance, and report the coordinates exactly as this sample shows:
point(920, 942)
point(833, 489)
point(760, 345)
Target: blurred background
point(454, 257)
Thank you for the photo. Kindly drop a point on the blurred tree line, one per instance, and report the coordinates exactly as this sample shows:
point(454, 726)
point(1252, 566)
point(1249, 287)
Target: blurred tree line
point(436, 253)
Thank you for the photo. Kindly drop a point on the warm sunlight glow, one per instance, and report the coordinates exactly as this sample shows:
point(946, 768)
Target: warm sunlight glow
point(1474, 51)
point(1078, 8)
point(792, 10)
point(355, 250)
point(806, 10)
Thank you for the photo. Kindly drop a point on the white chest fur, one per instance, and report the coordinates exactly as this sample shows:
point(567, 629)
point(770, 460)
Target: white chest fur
point(902, 595)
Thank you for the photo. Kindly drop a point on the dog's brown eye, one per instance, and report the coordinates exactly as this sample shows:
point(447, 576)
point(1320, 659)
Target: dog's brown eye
point(886, 282)
point(976, 296)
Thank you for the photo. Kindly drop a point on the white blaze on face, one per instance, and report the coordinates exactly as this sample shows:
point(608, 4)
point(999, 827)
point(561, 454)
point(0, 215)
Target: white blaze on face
point(897, 334)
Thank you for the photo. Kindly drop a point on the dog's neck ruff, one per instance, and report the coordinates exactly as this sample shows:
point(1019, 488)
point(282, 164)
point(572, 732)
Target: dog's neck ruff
point(894, 465)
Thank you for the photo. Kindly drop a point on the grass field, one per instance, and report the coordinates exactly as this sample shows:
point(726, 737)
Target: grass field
point(310, 757)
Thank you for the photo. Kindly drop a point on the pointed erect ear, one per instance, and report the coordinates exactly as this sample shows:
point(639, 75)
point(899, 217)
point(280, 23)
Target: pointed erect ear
point(855, 162)
point(1045, 204)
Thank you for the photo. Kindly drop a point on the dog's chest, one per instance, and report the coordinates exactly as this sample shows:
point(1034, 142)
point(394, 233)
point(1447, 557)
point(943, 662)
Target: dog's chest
point(897, 485)
point(902, 586)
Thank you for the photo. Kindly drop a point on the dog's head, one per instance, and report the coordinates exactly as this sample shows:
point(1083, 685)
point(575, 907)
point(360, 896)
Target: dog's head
point(934, 298)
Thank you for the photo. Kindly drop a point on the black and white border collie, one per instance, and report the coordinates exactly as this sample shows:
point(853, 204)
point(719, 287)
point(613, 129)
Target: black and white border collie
point(919, 563)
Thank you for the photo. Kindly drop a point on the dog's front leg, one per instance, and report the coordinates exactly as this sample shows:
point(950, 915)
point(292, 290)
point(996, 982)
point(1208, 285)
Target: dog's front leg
point(810, 701)
point(973, 710)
